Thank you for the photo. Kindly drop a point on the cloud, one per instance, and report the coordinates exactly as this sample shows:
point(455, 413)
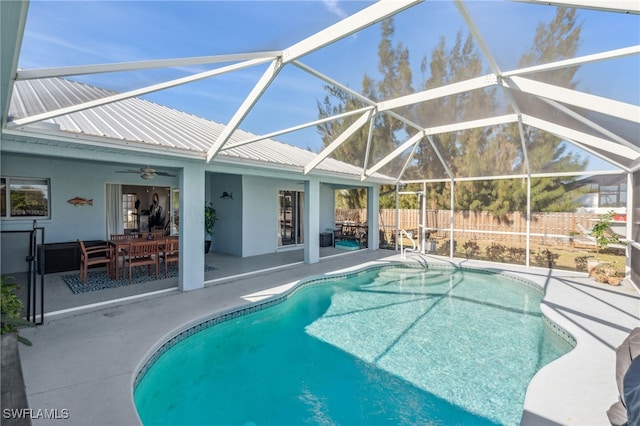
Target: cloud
point(332, 6)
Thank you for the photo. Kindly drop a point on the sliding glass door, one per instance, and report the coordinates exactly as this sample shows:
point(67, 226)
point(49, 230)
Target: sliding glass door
point(291, 215)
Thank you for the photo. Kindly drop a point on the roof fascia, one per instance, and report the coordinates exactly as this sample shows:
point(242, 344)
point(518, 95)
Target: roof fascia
point(51, 137)
point(13, 17)
point(134, 93)
point(142, 65)
point(257, 168)
point(621, 6)
point(587, 101)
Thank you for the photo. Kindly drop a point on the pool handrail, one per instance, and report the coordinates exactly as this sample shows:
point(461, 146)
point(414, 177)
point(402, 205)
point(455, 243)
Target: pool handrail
point(409, 236)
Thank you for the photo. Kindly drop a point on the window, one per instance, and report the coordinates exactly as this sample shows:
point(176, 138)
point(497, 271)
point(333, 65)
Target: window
point(291, 213)
point(25, 198)
point(613, 195)
point(129, 211)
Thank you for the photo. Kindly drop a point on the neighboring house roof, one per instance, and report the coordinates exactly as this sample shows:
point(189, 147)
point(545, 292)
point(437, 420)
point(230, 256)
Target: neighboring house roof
point(138, 122)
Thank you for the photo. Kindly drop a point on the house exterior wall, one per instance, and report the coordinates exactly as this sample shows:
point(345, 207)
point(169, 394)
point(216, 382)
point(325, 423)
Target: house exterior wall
point(247, 224)
point(67, 222)
point(327, 208)
point(260, 212)
point(228, 231)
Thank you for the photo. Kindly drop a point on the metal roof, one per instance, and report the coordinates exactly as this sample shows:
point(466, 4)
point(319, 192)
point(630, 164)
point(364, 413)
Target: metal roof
point(135, 121)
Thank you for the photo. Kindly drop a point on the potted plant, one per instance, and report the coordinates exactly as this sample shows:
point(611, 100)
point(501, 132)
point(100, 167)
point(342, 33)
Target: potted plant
point(603, 236)
point(602, 233)
point(209, 222)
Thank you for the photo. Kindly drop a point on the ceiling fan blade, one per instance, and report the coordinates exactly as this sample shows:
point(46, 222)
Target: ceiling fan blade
point(127, 171)
point(164, 174)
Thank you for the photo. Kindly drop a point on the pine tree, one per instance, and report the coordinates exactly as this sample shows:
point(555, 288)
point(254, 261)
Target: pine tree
point(395, 71)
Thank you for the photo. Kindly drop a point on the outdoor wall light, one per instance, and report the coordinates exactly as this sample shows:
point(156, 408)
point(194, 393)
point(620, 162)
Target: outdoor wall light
point(227, 195)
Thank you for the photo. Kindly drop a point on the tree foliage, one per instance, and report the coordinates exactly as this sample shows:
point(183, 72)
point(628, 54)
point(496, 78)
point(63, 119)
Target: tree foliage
point(477, 152)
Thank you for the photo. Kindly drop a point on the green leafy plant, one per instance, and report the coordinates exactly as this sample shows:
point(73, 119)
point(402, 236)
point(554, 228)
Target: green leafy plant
point(471, 249)
point(581, 263)
point(496, 252)
point(545, 258)
point(516, 254)
point(445, 247)
point(210, 219)
point(11, 309)
point(601, 231)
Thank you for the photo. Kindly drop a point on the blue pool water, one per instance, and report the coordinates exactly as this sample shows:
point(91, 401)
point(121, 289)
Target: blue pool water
point(397, 346)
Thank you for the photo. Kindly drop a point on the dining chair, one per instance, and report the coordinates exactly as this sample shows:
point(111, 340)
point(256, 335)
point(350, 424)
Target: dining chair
point(170, 253)
point(157, 235)
point(140, 253)
point(120, 237)
point(95, 255)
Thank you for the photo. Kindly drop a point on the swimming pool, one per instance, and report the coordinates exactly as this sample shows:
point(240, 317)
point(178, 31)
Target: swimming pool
point(392, 345)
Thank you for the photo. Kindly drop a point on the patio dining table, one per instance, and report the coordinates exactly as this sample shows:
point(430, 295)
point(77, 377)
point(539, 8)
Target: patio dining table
point(120, 248)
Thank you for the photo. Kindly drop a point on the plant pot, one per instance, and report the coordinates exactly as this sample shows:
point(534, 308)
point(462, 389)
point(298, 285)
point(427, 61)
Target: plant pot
point(207, 246)
point(592, 265)
point(600, 277)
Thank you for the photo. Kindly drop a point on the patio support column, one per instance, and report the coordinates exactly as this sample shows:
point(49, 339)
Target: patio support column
point(192, 187)
point(312, 221)
point(373, 215)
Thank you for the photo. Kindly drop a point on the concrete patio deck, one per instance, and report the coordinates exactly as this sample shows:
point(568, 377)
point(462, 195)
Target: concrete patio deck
point(86, 360)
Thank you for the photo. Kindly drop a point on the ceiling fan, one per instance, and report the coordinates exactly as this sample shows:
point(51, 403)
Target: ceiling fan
point(147, 173)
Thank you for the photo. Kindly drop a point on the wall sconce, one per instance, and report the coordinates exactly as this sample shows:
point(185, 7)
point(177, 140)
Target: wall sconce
point(227, 195)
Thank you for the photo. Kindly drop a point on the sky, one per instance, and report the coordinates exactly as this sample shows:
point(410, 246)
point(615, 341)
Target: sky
point(66, 33)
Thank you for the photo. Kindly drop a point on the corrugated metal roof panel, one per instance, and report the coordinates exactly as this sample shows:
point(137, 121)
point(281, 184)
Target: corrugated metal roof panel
point(142, 121)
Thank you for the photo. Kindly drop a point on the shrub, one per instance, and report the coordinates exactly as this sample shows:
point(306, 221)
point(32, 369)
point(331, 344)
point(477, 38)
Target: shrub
point(471, 249)
point(11, 309)
point(581, 263)
point(496, 252)
point(545, 258)
point(516, 254)
point(445, 246)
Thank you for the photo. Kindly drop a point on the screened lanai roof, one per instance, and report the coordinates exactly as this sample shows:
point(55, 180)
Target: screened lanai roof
point(264, 70)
